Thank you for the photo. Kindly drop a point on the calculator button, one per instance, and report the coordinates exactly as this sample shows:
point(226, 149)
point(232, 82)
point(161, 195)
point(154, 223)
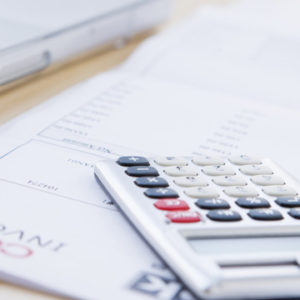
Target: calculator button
point(212, 204)
point(201, 192)
point(265, 214)
point(190, 181)
point(224, 215)
point(288, 202)
point(161, 193)
point(151, 182)
point(218, 170)
point(244, 160)
point(208, 161)
point(240, 191)
point(141, 171)
point(280, 191)
point(267, 180)
point(229, 180)
point(183, 216)
point(256, 170)
point(180, 171)
point(252, 202)
point(128, 161)
point(295, 213)
point(171, 204)
point(171, 161)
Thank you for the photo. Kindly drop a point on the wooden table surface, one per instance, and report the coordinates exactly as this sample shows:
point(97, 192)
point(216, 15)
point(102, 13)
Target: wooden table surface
point(22, 97)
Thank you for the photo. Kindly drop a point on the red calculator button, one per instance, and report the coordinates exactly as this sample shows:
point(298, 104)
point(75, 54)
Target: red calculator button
point(171, 204)
point(183, 216)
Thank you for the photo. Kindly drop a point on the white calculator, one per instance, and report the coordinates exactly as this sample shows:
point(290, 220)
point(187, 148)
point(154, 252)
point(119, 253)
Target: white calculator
point(228, 228)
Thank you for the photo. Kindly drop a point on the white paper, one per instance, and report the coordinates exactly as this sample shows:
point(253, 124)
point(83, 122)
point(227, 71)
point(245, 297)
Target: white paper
point(85, 248)
point(52, 205)
point(222, 49)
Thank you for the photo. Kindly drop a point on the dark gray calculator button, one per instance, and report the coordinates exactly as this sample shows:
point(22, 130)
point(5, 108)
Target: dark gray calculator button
point(128, 161)
point(161, 193)
point(224, 215)
point(252, 202)
point(151, 182)
point(295, 213)
point(212, 204)
point(265, 214)
point(288, 202)
point(142, 171)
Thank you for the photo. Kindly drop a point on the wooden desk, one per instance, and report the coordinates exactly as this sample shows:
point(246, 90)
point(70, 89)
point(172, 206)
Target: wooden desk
point(23, 97)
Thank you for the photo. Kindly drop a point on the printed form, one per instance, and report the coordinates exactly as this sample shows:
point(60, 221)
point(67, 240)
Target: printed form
point(59, 232)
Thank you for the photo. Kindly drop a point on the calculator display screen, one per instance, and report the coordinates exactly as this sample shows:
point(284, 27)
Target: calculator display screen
point(241, 245)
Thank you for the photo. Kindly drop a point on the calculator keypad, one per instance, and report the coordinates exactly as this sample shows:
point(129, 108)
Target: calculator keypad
point(244, 160)
point(288, 202)
point(181, 171)
point(171, 161)
point(161, 193)
point(151, 182)
point(184, 217)
point(230, 181)
point(280, 191)
point(254, 202)
point(171, 204)
point(212, 203)
point(256, 170)
point(267, 180)
point(224, 215)
point(201, 192)
point(142, 171)
point(218, 170)
point(129, 161)
point(295, 213)
point(208, 189)
point(208, 161)
point(190, 181)
point(265, 214)
point(240, 191)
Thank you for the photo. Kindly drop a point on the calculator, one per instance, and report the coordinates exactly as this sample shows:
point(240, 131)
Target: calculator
point(229, 228)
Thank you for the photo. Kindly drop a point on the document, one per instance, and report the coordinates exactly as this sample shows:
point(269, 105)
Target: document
point(59, 231)
point(249, 49)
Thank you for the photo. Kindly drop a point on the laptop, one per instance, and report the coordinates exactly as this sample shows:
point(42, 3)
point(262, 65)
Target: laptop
point(37, 34)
